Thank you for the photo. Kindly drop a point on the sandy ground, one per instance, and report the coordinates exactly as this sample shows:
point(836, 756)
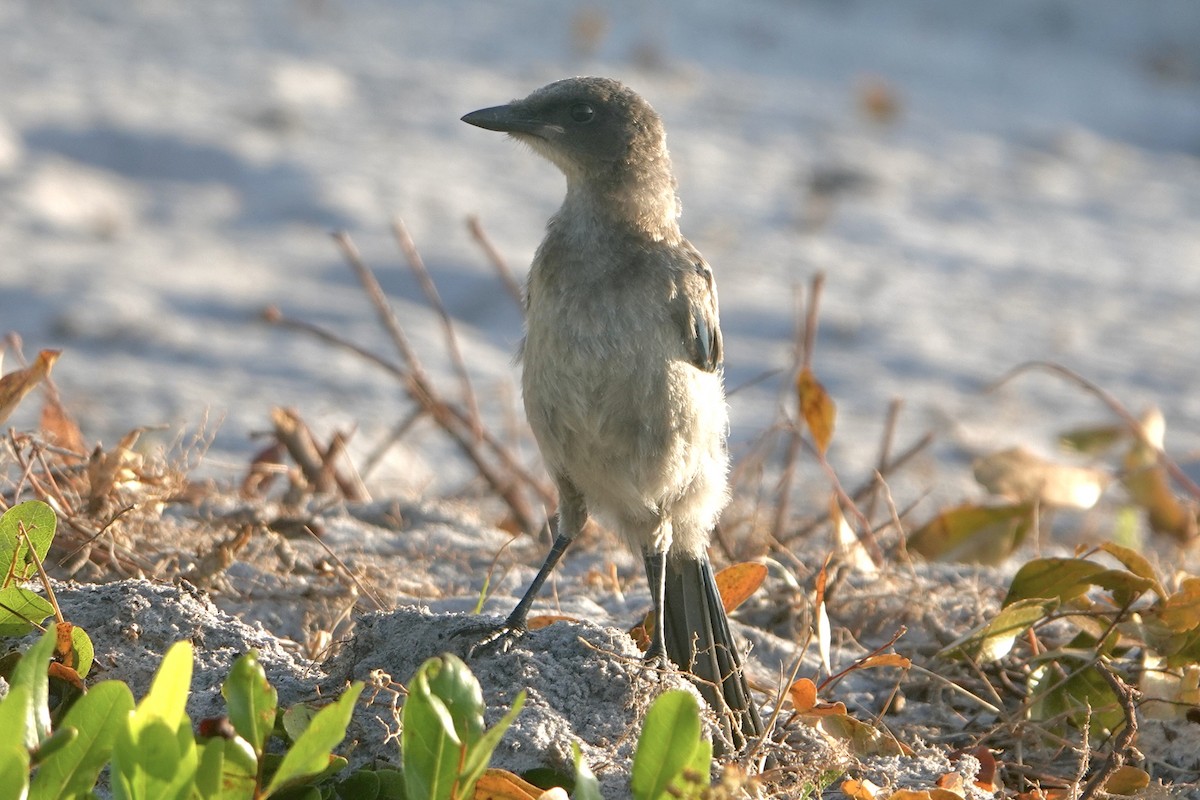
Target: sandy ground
point(168, 170)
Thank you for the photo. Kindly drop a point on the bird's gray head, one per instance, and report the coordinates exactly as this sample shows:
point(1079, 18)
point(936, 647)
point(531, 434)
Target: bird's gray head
point(601, 134)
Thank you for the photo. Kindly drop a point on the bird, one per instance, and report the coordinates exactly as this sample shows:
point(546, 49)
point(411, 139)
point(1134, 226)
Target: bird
point(622, 376)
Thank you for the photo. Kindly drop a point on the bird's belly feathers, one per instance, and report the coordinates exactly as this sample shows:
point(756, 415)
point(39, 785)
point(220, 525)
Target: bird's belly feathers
point(636, 433)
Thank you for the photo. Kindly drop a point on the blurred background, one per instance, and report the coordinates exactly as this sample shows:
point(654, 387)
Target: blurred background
point(983, 184)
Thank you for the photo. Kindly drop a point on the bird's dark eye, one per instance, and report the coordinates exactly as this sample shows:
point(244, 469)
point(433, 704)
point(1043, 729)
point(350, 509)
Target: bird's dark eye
point(582, 112)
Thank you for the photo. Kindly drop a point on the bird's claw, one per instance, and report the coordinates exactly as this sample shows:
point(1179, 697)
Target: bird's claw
point(496, 638)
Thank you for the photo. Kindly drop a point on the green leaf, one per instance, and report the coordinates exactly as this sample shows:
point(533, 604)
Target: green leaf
point(20, 609)
point(993, 640)
point(668, 744)
point(83, 650)
point(227, 769)
point(586, 785)
point(252, 701)
point(97, 716)
point(63, 736)
point(311, 753)
point(361, 784)
point(39, 522)
point(154, 755)
point(297, 718)
point(391, 784)
point(14, 756)
point(30, 672)
point(451, 680)
point(1052, 578)
point(1082, 696)
point(479, 754)
point(429, 747)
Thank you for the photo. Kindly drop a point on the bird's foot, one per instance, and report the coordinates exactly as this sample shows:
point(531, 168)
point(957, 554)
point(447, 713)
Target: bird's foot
point(490, 637)
point(656, 659)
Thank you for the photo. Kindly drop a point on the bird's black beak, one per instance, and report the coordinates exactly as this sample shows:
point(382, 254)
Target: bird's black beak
point(510, 119)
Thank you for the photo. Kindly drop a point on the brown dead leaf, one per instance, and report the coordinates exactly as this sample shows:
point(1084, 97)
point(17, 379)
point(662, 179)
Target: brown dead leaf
point(18, 383)
point(878, 100)
point(59, 428)
point(817, 408)
point(1024, 477)
point(738, 582)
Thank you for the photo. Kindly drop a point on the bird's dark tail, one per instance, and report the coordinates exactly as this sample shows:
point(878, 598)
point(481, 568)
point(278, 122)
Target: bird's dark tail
point(699, 642)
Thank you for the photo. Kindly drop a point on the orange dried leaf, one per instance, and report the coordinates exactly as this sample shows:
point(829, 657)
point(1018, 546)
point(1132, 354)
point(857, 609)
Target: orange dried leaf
point(499, 784)
point(884, 660)
point(803, 694)
point(952, 782)
point(817, 408)
point(545, 620)
point(67, 675)
point(986, 777)
point(860, 790)
point(18, 383)
point(737, 582)
point(910, 794)
point(63, 647)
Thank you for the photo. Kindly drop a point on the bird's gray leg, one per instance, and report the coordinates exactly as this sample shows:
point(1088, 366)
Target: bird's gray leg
point(656, 572)
point(571, 515)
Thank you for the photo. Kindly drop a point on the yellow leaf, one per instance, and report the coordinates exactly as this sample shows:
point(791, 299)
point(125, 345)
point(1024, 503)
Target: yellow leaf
point(1127, 781)
point(15, 385)
point(987, 534)
point(1149, 486)
point(817, 408)
point(1024, 477)
point(499, 784)
point(1181, 611)
point(737, 582)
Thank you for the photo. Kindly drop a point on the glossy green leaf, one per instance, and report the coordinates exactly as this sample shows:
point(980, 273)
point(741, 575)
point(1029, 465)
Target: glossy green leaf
point(586, 785)
point(39, 522)
point(96, 716)
point(154, 755)
point(479, 753)
point(993, 640)
point(311, 754)
point(251, 700)
point(667, 745)
point(1052, 578)
point(20, 609)
point(14, 756)
point(227, 769)
point(429, 746)
point(30, 672)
